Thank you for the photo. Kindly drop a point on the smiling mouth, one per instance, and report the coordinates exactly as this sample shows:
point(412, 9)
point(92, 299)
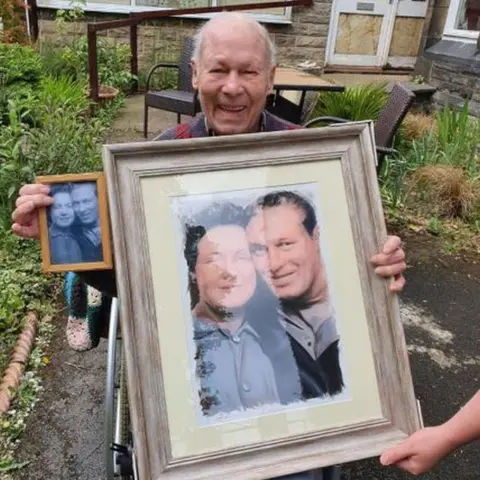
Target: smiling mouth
point(281, 280)
point(230, 287)
point(231, 109)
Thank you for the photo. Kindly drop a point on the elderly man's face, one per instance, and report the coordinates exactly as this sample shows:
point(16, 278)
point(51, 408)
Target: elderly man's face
point(233, 78)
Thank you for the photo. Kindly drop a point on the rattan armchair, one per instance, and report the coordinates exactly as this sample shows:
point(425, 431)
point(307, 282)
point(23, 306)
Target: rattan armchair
point(183, 100)
point(386, 125)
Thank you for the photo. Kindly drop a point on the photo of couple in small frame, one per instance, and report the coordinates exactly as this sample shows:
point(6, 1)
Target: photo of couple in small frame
point(75, 229)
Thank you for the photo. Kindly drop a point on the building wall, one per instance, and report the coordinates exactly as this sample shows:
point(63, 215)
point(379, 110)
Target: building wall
point(455, 83)
point(452, 67)
point(304, 40)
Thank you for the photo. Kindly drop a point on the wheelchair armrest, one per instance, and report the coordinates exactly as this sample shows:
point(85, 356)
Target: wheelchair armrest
point(157, 66)
point(385, 150)
point(325, 119)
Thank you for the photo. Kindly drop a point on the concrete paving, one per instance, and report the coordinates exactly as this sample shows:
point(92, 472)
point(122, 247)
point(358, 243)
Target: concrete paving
point(128, 126)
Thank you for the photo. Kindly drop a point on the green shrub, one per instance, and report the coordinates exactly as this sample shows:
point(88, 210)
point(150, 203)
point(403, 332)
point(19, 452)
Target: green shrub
point(20, 73)
point(113, 61)
point(63, 140)
point(23, 285)
point(65, 144)
point(61, 94)
point(23, 96)
point(19, 63)
point(14, 169)
point(362, 102)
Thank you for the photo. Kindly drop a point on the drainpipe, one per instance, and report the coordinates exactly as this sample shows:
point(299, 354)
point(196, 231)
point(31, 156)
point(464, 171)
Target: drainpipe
point(27, 18)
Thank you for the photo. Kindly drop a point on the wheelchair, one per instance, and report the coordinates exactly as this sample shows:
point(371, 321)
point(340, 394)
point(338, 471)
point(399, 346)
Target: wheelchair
point(119, 451)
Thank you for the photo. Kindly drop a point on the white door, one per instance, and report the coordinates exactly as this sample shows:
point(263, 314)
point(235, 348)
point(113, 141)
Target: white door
point(406, 33)
point(375, 33)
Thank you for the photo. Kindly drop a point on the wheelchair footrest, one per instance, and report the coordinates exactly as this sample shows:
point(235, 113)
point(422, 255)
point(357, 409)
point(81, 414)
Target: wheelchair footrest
point(123, 459)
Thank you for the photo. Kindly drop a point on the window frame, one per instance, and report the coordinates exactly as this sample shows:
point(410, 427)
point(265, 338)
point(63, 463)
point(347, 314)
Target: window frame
point(449, 30)
point(105, 7)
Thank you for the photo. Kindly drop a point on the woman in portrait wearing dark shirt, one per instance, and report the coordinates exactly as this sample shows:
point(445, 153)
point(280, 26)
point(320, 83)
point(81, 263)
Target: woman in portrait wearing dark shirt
point(64, 247)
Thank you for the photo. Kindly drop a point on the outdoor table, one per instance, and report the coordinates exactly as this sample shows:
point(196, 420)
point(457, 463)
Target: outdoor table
point(292, 79)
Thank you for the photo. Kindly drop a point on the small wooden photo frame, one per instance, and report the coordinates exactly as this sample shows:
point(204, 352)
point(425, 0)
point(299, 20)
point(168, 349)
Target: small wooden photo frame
point(75, 230)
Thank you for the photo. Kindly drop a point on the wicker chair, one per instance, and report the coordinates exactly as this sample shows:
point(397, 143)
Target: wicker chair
point(182, 101)
point(387, 123)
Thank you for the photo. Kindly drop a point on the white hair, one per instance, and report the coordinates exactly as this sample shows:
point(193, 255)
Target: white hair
point(234, 17)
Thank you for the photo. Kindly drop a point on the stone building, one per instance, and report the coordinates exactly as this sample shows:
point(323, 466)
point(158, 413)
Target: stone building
point(451, 52)
point(437, 39)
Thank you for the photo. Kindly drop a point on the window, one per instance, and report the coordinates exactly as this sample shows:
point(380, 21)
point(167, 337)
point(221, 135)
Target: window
point(272, 15)
point(463, 20)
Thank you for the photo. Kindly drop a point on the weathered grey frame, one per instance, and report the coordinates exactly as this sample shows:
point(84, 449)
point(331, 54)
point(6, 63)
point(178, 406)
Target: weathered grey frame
point(125, 165)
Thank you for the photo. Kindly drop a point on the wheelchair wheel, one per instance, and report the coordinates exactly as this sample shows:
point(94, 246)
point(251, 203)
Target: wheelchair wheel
point(118, 439)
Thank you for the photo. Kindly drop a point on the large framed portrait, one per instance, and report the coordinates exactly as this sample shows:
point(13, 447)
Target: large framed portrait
point(259, 341)
point(75, 229)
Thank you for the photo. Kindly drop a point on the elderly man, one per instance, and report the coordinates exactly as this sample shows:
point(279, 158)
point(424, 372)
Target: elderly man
point(233, 71)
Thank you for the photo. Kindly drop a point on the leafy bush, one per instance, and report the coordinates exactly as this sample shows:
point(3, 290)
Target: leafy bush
point(113, 62)
point(23, 96)
point(61, 94)
point(45, 129)
point(23, 285)
point(19, 63)
point(20, 73)
point(63, 143)
point(362, 102)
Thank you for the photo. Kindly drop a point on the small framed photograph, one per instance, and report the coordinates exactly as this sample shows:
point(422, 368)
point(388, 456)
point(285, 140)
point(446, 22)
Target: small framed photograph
point(259, 341)
point(75, 229)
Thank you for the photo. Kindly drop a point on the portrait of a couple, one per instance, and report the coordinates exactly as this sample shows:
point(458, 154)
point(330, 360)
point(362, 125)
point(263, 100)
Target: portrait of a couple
point(74, 231)
point(264, 327)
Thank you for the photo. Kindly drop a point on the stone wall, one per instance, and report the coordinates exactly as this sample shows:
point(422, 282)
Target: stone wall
point(455, 83)
point(453, 67)
point(303, 40)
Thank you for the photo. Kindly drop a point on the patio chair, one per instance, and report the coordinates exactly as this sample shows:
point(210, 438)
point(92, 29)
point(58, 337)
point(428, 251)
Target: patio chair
point(183, 100)
point(387, 123)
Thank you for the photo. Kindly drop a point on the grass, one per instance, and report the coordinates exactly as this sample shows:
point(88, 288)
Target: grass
point(433, 183)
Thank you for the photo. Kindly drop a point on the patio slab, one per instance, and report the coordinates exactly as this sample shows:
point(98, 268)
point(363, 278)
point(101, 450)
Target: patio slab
point(130, 120)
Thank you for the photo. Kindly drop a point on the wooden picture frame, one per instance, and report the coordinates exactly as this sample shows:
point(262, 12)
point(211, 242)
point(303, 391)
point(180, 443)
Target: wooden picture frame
point(173, 436)
point(64, 247)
